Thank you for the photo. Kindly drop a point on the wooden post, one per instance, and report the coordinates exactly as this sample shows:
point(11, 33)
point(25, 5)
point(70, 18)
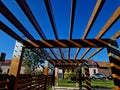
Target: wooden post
point(15, 70)
point(88, 81)
point(76, 78)
point(46, 73)
point(53, 77)
point(63, 73)
point(114, 57)
point(57, 77)
point(80, 78)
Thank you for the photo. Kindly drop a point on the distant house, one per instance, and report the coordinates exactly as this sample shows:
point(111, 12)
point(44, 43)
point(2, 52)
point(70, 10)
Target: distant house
point(99, 67)
point(104, 67)
point(93, 67)
point(6, 65)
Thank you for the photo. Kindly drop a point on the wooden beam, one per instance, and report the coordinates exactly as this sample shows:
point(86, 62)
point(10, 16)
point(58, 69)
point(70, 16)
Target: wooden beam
point(93, 17)
point(87, 50)
point(109, 23)
point(114, 57)
point(117, 35)
point(72, 15)
point(5, 11)
point(68, 44)
point(51, 17)
point(24, 6)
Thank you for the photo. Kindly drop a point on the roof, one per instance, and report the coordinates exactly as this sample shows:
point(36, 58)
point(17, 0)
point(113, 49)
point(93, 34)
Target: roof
point(103, 64)
point(6, 62)
point(92, 62)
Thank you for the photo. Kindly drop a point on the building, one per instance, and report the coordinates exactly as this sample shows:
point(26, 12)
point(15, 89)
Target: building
point(5, 66)
point(99, 67)
point(93, 67)
point(104, 67)
point(17, 49)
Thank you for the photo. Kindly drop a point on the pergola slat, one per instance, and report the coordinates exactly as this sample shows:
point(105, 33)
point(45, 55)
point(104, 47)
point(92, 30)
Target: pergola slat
point(51, 16)
point(10, 32)
point(4, 10)
point(109, 23)
point(117, 35)
point(93, 17)
point(24, 6)
point(7, 30)
point(31, 17)
point(72, 15)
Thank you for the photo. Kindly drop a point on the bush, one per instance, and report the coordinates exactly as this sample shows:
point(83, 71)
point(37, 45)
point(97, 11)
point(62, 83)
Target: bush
point(73, 77)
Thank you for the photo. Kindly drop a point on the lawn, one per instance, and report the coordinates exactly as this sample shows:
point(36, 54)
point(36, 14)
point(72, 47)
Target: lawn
point(94, 83)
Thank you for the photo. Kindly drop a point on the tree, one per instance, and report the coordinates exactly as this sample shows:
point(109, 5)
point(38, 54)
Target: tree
point(31, 60)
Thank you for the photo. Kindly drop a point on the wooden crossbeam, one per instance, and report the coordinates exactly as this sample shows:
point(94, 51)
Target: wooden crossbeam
point(66, 63)
point(117, 35)
point(69, 43)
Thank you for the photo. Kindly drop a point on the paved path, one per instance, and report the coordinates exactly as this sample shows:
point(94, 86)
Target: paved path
point(76, 88)
point(67, 88)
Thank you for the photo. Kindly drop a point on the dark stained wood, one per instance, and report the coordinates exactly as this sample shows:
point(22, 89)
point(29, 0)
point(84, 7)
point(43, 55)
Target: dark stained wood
point(67, 43)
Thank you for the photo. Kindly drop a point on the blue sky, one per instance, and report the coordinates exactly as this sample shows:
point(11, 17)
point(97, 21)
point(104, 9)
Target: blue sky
point(61, 9)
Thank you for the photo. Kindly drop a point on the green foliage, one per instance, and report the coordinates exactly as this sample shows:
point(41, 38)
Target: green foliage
point(31, 59)
point(94, 83)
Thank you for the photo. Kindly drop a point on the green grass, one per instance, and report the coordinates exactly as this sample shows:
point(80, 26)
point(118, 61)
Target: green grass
point(94, 83)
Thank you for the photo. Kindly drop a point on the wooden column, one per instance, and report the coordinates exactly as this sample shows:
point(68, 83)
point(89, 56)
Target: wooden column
point(53, 77)
point(46, 73)
point(57, 77)
point(80, 78)
point(63, 73)
point(77, 79)
point(88, 81)
point(15, 70)
point(114, 57)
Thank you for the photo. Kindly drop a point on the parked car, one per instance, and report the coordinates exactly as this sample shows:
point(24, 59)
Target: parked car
point(98, 76)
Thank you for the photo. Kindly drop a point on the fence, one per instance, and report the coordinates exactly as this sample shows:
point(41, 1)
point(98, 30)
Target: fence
point(25, 82)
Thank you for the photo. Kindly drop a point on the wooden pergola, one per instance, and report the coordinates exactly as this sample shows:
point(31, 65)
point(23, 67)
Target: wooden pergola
point(97, 42)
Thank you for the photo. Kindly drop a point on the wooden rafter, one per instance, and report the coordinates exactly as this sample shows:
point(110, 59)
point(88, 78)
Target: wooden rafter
point(51, 16)
point(24, 6)
point(4, 10)
point(72, 15)
point(10, 32)
point(117, 35)
point(106, 27)
point(7, 30)
point(93, 17)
